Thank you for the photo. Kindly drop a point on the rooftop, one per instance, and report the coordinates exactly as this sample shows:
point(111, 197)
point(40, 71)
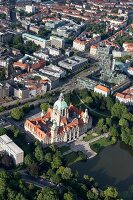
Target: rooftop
point(103, 88)
point(13, 147)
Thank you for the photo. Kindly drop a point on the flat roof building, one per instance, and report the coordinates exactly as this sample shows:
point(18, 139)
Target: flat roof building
point(53, 70)
point(74, 63)
point(7, 145)
point(37, 40)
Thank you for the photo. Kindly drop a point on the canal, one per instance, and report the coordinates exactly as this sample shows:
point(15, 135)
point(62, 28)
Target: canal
point(113, 166)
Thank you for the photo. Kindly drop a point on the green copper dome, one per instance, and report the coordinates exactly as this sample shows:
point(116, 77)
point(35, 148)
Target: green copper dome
point(60, 104)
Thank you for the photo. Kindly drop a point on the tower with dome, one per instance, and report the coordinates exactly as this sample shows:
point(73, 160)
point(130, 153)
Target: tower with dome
point(63, 123)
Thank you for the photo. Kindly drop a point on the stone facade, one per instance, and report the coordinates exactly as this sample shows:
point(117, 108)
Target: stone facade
point(63, 123)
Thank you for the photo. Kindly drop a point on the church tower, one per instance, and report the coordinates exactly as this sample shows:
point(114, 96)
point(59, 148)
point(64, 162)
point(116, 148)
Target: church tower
point(54, 130)
point(86, 117)
point(60, 109)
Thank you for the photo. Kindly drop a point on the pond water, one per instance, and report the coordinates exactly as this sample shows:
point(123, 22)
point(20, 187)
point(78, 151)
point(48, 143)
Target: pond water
point(113, 166)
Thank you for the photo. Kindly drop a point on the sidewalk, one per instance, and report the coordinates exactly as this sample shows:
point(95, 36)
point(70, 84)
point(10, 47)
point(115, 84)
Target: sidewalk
point(84, 146)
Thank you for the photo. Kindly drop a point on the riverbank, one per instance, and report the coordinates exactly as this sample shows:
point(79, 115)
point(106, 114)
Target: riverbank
point(98, 145)
point(113, 166)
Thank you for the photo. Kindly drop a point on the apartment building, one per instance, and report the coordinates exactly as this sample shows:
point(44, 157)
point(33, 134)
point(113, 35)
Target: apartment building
point(34, 28)
point(8, 146)
point(126, 96)
point(4, 91)
point(102, 90)
point(33, 84)
point(37, 40)
point(69, 29)
point(85, 40)
point(93, 50)
point(54, 51)
point(30, 8)
point(53, 23)
point(57, 42)
point(29, 63)
point(128, 46)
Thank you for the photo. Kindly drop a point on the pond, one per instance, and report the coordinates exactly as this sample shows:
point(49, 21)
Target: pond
point(113, 166)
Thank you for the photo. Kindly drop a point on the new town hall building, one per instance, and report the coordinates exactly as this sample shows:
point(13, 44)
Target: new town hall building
point(63, 123)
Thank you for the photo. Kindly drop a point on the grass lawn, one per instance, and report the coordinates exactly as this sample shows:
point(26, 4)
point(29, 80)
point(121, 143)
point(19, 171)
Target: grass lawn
point(71, 158)
point(101, 144)
point(63, 149)
point(89, 136)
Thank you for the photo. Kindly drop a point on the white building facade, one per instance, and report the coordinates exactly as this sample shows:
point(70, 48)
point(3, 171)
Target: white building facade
point(11, 149)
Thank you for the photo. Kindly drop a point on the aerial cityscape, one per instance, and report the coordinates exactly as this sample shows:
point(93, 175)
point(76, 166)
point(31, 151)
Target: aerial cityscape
point(66, 99)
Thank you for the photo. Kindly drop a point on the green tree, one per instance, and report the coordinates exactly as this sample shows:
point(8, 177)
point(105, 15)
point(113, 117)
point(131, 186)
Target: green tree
point(123, 122)
point(31, 186)
point(47, 193)
point(108, 122)
point(52, 147)
point(113, 131)
point(83, 93)
point(17, 114)
point(91, 195)
point(2, 108)
point(48, 157)
point(2, 187)
point(88, 100)
point(56, 163)
point(44, 107)
point(33, 169)
point(15, 131)
point(118, 110)
point(110, 193)
point(11, 194)
point(109, 103)
point(69, 196)
point(19, 196)
point(26, 108)
point(55, 178)
point(125, 137)
point(4, 174)
point(128, 116)
point(100, 123)
point(39, 153)
point(50, 173)
point(3, 131)
point(65, 172)
point(17, 39)
point(28, 160)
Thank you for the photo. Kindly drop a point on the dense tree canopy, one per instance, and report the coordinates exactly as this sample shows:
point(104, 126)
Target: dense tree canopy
point(111, 193)
point(17, 114)
point(48, 194)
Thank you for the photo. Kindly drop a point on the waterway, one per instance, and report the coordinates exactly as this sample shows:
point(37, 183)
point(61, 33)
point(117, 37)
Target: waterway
point(113, 166)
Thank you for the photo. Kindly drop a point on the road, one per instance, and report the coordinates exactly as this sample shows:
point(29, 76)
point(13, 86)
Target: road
point(90, 109)
point(39, 182)
point(71, 83)
point(35, 103)
point(65, 86)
